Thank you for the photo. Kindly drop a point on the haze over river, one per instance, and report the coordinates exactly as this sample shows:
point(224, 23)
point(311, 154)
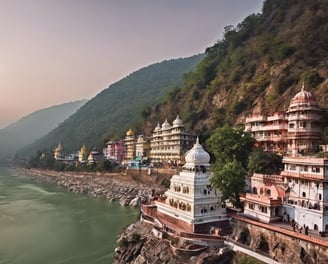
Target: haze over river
point(45, 224)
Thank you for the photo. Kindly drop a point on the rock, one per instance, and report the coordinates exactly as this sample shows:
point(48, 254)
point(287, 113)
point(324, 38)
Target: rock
point(135, 202)
point(140, 260)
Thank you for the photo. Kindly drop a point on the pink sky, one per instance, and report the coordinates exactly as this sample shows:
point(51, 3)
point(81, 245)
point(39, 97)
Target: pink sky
point(55, 51)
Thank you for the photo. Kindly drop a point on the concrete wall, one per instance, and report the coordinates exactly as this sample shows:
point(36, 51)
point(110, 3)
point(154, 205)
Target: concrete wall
point(280, 247)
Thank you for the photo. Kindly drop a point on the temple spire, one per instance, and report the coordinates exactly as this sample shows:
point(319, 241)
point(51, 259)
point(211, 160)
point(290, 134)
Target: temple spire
point(302, 90)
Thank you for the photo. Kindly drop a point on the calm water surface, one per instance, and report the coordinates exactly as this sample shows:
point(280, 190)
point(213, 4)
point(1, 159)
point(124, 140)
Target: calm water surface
point(45, 224)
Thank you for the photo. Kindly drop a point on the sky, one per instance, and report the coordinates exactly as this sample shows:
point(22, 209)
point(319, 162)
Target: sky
point(57, 51)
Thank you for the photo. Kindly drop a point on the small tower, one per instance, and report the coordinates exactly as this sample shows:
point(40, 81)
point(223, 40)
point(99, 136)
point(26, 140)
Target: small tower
point(58, 152)
point(82, 154)
point(304, 116)
point(129, 142)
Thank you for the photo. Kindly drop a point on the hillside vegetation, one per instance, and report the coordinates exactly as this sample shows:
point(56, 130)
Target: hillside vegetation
point(119, 107)
point(33, 126)
point(258, 66)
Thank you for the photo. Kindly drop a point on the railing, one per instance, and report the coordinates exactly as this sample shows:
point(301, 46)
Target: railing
point(302, 175)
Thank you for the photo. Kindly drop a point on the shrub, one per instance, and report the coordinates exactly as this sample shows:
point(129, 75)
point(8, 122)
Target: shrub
point(285, 51)
point(135, 238)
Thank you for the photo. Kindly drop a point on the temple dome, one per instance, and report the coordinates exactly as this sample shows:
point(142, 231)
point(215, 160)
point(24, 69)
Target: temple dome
point(83, 149)
point(130, 132)
point(177, 122)
point(165, 125)
point(158, 127)
point(303, 99)
point(197, 156)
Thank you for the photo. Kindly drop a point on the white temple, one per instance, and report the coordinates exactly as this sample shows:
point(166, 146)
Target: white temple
point(191, 201)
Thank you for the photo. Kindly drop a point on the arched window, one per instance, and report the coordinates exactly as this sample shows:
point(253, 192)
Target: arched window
point(315, 227)
point(303, 194)
point(254, 190)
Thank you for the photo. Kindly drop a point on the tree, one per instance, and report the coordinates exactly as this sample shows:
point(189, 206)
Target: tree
point(231, 149)
point(231, 181)
point(264, 162)
point(228, 144)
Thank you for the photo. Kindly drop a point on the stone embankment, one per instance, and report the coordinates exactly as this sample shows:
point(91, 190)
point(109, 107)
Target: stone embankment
point(127, 189)
point(138, 245)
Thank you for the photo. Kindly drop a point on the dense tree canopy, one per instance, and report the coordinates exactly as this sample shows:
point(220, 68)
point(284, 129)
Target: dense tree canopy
point(231, 149)
point(228, 144)
point(264, 162)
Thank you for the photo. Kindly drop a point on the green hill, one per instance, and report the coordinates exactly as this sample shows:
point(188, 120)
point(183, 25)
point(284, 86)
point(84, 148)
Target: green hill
point(258, 66)
point(33, 126)
point(119, 107)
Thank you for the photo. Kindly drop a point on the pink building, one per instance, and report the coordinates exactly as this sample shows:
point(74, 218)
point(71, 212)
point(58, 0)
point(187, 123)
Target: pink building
point(300, 192)
point(270, 131)
point(115, 150)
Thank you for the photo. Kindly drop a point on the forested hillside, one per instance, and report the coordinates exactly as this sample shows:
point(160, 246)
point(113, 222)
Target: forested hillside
point(33, 126)
point(257, 67)
point(119, 107)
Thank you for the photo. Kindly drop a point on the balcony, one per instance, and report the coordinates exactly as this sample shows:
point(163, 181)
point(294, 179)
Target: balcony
point(256, 118)
point(303, 175)
point(293, 117)
point(275, 138)
point(260, 199)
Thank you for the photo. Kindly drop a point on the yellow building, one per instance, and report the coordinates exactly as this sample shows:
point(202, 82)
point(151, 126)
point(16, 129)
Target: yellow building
point(130, 146)
point(58, 152)
point(83, 154)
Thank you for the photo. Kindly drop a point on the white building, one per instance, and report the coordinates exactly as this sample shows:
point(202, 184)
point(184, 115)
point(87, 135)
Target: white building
point(191, 201)
point(170, 142)
point(306, 199)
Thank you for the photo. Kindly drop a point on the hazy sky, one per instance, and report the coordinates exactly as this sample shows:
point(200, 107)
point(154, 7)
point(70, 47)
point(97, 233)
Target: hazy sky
point(55, 51)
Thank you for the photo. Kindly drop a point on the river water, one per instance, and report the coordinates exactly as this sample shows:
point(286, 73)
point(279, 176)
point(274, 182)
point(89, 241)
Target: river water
point(45, 224)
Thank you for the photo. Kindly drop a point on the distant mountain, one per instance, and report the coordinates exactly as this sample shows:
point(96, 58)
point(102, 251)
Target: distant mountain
point(33, 126)
point(119, 107)
point(257, 67)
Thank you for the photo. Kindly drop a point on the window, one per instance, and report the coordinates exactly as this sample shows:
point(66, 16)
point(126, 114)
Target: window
point(303, 194)
point(320, 197)
point(254, 190)
point(291, 125)
point(302, 124)
point(316, 169)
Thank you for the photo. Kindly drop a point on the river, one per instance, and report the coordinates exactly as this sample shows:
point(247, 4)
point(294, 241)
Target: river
point(45, 224)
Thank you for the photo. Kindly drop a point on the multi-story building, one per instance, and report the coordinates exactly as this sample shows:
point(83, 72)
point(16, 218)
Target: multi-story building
point(304, 116)
point(300, 192)
point(58, 152)
point(115, 150)
point(129, 146)
point(306, 199)
point(82, 154)
point(142, 148)
point(170, 142)
point(270, 131)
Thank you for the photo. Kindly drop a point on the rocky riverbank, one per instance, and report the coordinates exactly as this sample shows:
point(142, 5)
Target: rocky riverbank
point(138, 245)
point(129, 190)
